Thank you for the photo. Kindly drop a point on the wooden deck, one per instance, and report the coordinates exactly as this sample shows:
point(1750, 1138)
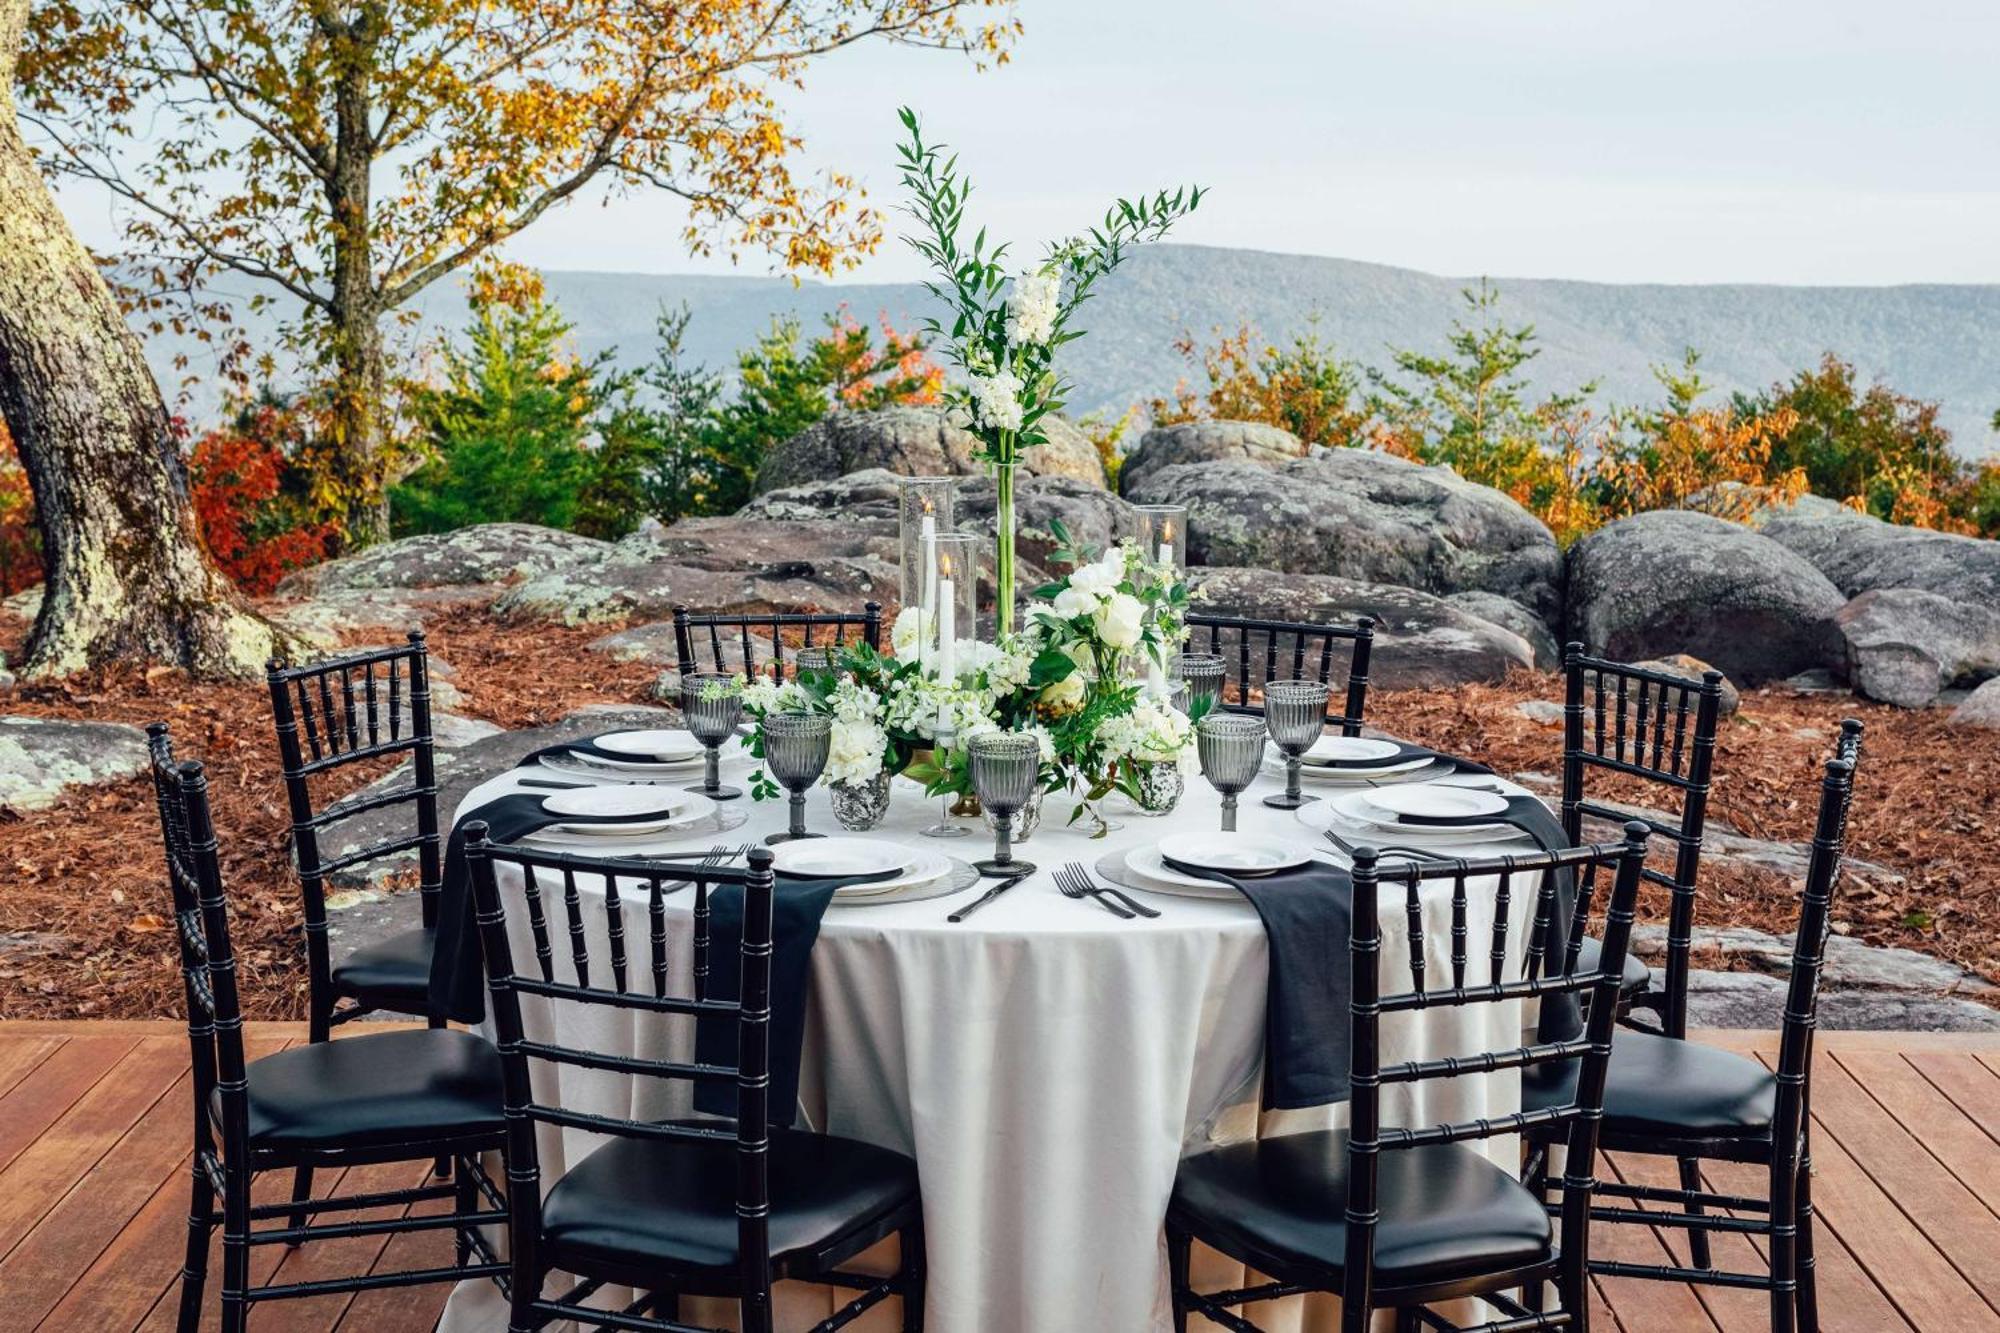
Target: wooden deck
point(93, 1193)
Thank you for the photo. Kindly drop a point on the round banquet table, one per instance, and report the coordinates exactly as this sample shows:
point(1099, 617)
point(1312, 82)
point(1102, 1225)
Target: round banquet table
point(1046, 1063)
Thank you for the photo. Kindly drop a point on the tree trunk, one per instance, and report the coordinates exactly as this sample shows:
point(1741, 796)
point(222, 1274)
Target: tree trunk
point(126, 576)
point(360, 385)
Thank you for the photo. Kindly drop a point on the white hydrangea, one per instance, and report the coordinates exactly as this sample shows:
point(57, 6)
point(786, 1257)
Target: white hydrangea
point(1154, 732)
point(1032, 308)
point(854, 751)
point(763, 696)
point(996, 399)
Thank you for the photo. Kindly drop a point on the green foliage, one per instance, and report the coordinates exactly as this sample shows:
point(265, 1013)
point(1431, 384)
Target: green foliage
point(1306, 388)
point(508, 431)
point(1470, 407)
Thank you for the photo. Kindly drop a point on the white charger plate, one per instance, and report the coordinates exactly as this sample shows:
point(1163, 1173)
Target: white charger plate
point(1144, 868)
point(658, 745)
point(1319, 816)
point(640, 802)
point(1249, 853)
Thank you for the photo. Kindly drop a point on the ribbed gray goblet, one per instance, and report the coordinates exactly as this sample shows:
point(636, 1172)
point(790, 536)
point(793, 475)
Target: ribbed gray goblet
point(795, 747)
point(1202, 673)
point(712, 704)
point(1231, 747)
point(1295, 711)
point(816, 660)
point(1004, 766)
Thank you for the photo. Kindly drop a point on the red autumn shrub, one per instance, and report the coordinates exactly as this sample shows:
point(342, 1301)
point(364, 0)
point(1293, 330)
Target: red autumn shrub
point(256, 531)
point(20, 540)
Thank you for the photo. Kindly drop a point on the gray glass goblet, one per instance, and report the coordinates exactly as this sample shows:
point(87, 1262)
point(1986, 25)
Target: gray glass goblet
point(1005, 766)
point(712, 704)
point(795, 748)
point(816, 661)
point(1231, 747)
point(1202, 673)
point(1295, 711)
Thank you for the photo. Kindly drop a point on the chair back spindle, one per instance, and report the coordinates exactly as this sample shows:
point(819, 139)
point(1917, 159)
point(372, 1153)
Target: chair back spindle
point(706, 640)
point(1254, 651)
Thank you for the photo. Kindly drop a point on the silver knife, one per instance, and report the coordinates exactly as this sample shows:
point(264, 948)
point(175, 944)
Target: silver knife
point(988, 896)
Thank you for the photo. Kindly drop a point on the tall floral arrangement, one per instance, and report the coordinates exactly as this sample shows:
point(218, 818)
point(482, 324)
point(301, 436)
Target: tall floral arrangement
point(1004, 330)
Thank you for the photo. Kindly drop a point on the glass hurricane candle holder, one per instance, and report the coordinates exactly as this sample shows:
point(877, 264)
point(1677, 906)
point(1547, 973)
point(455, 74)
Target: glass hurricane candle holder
point(924, 511)
point(1295, 711)
point(795, 749)
point(1162, 534)
point(712, 704)
point(956, 599)
point(1005, 766)
point(1231, 748)
point(1202, 673)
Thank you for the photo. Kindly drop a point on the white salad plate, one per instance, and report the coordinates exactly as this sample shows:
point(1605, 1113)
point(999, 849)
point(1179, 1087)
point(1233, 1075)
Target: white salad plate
point(829, 858)
point(1144, 869)
point(1240, 853)
point(1421, 770)
point(1432, 801)
point(656, 745)
point(1335, 813)
point(1359, 755)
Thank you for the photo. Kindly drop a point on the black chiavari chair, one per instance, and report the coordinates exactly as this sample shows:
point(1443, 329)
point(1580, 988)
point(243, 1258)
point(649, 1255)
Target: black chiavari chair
point(405, 1096)
point(1670, 1097)
point(1254, 651)
point(706, 1207)
point(706, 640)
point(1660, 729)
point(1404, 1217)
point(333, 715)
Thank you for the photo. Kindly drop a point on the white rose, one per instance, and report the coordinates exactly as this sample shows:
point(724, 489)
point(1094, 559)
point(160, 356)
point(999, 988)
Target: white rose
point(1101, 576)
point(1120, 621)
point(1065, 694)
point(1073, 601)
point(907, 633)
point(854, 752)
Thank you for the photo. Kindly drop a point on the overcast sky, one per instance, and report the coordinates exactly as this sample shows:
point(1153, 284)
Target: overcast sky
point(1786, 141)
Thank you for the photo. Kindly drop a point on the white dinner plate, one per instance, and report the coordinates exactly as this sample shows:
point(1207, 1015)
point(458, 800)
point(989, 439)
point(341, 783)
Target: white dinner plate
point(1421, 770)
point(1332, 813)
point(1246, 853)
point(659, 745)
point(1434, 801)
point(642, 810)
point(1144, 866)
point(1341, 751)
point(830, 858)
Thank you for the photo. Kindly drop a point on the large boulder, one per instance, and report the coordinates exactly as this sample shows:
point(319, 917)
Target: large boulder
point(1421, 641)
point(1691, 670)
point(1861, 553)
point(914, 442)
point(1208, 442)
point(866, 501)
point(1367, 516)
point(1510, 614)
point(1672, 581)
point(482, 554)
point(1981, 708)
point(41, 758)
point(1905, 646)
point(716, 564)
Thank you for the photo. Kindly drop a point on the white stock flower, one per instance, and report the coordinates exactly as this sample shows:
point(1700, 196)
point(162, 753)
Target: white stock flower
point(1032, 307)
point(1120, 621)
point(997, 400)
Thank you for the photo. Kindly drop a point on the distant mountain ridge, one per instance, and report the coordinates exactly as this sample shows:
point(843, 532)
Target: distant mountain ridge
point(1934, 341)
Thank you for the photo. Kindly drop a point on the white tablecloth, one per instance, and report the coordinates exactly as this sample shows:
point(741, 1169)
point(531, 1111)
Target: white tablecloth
point(1046, 1063)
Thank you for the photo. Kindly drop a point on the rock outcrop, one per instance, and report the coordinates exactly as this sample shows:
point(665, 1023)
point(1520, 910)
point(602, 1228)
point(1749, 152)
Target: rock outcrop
point(41, 758)
point(914, 442)
point(1860, 553)
point(1421, 641)
point(1691, 669)
point(485, 553)
point(1673, 581)
point(1981, 708)
point(1208, 442)
point(1368, 516)
point(1905, 646)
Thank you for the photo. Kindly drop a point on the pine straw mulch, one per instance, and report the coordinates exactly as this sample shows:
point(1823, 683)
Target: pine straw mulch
point(82, 880)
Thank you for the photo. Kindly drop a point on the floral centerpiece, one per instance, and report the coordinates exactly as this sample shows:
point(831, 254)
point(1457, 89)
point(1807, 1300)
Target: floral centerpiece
point(1003, 335)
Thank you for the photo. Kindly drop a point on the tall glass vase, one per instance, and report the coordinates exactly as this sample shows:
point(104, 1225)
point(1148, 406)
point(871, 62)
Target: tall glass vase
point(1003, 561)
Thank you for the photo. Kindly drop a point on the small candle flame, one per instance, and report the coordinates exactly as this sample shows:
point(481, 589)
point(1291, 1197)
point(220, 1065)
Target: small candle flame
point(944, 565)
point(1167, 533)
point(926, 501)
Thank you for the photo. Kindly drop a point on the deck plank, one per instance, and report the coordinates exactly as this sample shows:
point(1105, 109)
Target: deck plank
point(94, 1186)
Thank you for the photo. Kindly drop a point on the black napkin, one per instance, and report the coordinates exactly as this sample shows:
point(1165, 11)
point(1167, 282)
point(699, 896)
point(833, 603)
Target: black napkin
point(797, 906)
point(458, 965)
point(1308, 915)
point(1307, 912)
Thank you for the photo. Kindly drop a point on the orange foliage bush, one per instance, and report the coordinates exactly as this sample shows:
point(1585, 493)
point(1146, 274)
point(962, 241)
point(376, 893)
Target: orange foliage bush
point(20, 542)
point(254, 534)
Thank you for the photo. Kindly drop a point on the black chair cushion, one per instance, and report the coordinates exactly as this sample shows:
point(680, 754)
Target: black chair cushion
point(1660, 1087)
point(394, 973)
point(366, 1091)
point(1446, 1211)
point(1633, 978)
point(638, 1201)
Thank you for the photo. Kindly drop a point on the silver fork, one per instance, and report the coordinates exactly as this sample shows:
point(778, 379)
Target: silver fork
point(1082, 876)
point(1071, 886)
